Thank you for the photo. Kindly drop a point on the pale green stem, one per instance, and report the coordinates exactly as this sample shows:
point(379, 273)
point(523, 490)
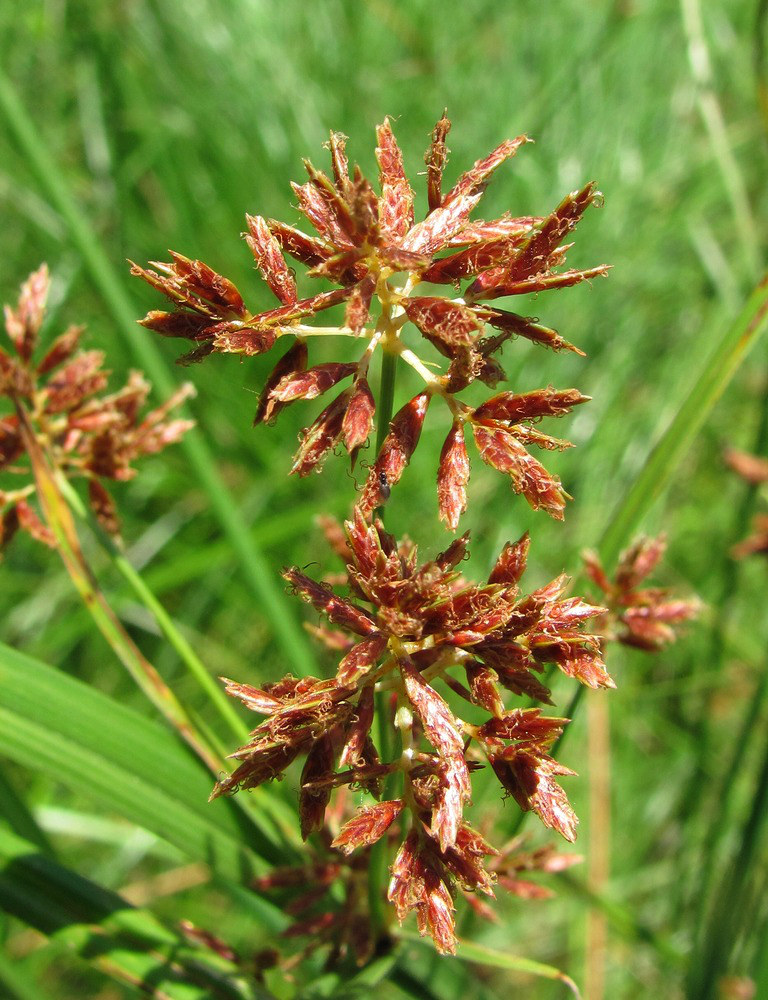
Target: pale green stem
point(187, 655)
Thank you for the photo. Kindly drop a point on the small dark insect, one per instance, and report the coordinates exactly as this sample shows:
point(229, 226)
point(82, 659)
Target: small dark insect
point(384, 487)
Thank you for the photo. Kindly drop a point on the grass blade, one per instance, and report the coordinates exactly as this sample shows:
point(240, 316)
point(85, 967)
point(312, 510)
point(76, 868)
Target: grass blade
point(480, 955)
point(127, 943)
point(128, 764)
point(664, 458)
point(18, 817)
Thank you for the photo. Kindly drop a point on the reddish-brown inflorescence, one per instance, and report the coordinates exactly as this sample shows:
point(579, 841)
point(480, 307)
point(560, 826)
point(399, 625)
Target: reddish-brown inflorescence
point(58, 397)
point(640, 616)
point(754, 470)
point(371, 246)
point(404, 628)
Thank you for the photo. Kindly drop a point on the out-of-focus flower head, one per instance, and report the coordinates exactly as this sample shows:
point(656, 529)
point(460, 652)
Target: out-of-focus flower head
point(372, 247)
point(404, 628)
point(644, 617)
point(754, 470)
point(58, 397)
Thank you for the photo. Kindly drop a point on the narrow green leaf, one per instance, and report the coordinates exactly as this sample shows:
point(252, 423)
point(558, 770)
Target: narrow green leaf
point(19, 818)
point(622, 920)
point(128, 764)
point(478, 954)
point(665, 457)
point(127, 943)
point(338, 986)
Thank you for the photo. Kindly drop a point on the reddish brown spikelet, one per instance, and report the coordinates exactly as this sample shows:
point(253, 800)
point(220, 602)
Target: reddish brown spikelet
point(311, 383)
point(639, 561)
point(76, 381)
point(352, 754)
point(496, 283)
point(479, 256)
point(447, 321)
point(509, 407)
point(253, 698)
point(308, 249)
point(501, 450)
point(530, 777)
point(452, 477)
point(359, 305)
point(269, 259)
point(61, 349)
point(191, 326)
point(233, 338)
point(396, 202)
point(435, 917)
point(644, 617)
point(336, 609)
point(454, 211)
point(396, 451)
point(415, 885)
point(358, 419)
point(534, 256)
point(321, 437)
point(23, 323)
point(435, 159)
point(454, 791)
point(11, 445)
point(482, 686)
point(199, 936)
point(524, 725)
point(292, 362)
point(205, 283)
point(522, 326)
point(360, 659)
point(29, 521)
point(337, 145)
point(505, 227)
point(512, 561)
point(436, 717)
point(368, 825)
point(314, 799)
point(103, 507)
point(325, 208)
point(752, 468)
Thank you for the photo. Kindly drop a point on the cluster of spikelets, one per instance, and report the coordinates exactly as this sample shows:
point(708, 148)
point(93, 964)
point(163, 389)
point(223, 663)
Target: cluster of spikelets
point(371, 247)
point(58, 405)
point(404, 628)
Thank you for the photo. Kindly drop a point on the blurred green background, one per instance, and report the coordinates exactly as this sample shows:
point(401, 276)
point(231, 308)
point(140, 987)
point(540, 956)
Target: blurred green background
point(162, 123)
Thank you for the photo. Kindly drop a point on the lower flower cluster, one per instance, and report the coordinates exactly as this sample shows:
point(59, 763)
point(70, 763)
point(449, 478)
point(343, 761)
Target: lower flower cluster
point(403, 629)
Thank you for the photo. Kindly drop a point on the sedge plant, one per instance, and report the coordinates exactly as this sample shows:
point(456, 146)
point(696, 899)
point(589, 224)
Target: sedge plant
point(413, 636)
point(415, 640)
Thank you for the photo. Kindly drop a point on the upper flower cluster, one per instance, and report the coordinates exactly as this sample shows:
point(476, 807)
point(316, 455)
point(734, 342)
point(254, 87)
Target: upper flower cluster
point(371, 246)
point(59, 404)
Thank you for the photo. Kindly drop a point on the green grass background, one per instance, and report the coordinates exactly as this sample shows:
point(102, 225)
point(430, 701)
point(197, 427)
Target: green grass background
point(166, 122)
